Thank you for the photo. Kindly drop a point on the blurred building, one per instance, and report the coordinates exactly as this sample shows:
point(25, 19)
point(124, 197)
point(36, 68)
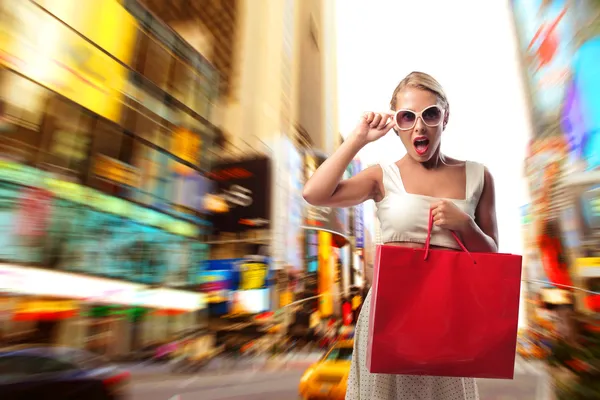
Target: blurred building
point(105, 143)
point(277, 107)
point(278, 112)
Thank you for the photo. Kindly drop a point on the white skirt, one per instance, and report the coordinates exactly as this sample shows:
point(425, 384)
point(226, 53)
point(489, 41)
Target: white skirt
point(362, 385)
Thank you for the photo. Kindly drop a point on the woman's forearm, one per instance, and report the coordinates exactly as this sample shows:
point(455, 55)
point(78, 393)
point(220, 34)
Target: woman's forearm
point(476, 240)
point(322, 184)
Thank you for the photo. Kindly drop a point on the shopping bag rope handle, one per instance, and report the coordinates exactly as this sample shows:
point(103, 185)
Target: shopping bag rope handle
point(428, 240)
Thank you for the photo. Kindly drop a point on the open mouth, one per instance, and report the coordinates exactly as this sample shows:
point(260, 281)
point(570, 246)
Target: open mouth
point(421, 145)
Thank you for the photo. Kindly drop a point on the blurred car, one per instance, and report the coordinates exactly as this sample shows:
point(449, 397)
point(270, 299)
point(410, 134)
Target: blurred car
point(39, 372)
point(327, 378)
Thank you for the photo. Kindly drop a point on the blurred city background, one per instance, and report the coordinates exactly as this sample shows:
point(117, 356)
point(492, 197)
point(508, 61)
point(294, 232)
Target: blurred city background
point(154, 242)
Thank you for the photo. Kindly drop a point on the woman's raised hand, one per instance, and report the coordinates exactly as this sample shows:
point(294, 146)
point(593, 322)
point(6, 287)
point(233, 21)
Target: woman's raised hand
point(373, 126)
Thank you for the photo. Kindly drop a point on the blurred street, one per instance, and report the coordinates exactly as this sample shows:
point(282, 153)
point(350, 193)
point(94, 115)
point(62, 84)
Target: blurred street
point(278, 379)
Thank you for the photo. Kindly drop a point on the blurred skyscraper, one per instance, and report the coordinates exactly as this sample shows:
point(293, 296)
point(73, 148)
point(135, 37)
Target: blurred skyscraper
point(277, 105)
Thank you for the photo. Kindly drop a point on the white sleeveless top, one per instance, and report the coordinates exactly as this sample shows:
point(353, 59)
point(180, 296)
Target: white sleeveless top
point(403, 217)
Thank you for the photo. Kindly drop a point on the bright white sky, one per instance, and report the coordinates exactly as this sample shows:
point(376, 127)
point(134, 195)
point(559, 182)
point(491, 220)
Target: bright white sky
point(468, 45)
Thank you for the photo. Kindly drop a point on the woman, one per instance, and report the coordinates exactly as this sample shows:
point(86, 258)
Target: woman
point(459, 193)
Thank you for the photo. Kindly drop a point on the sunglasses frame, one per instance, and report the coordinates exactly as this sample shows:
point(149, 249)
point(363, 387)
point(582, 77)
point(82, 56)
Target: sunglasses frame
point(419, 115)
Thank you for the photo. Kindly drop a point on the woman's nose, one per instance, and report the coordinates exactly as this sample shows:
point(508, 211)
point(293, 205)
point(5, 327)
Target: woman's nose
point(419, 124)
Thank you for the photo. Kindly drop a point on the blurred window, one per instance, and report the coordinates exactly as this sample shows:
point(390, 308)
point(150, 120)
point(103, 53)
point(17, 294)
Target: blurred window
point(155, 184)
point(84, 359)
point(340, 354)
point(43, 365)
point(153, 60)
point(22, 365)
point(22, 107)
point(67, 138)
point(111, 144)
point(12, 367)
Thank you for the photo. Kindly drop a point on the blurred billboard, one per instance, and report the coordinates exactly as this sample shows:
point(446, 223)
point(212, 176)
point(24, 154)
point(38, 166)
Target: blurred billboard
point(75, 228)
point(560, 44)
point(37, 45)
point(245, 188)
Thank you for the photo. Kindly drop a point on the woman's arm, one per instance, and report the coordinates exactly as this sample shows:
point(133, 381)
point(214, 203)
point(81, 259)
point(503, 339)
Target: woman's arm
point(326, 188)
point(481, 234)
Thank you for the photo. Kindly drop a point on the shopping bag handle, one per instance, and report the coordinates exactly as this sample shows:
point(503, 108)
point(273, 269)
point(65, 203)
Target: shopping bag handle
point(428, 240)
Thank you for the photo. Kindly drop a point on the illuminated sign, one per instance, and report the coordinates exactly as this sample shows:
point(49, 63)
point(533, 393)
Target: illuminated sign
point(215, 204)
point(116, 171)
point(116, 311)
point(226, 174)
point(286, 298)
point(35, 310)
point(253, 275)
point(588, 267)
point(186, 145)
point(595, 206)
point(37, 306)
point(245, 187)
point(40, 282)
point(39, 46)
point(212, 281)
point(23, 175)
point(590, 204)
point(250, 301)
point(95, 19)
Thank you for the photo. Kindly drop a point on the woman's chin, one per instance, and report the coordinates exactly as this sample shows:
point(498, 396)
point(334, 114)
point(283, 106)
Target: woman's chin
point(422, 158)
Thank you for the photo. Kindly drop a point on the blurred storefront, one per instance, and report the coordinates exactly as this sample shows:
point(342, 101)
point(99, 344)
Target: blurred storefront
point(241, 217)
point(239, 295)
point(105, 145)
point(237, 286)
point(560, 44)
point(80, 311)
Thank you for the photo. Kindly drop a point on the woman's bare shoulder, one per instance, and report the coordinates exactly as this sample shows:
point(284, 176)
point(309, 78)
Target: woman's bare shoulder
point(454, 162)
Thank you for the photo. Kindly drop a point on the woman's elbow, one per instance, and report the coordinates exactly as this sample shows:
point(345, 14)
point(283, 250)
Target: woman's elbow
point(314, 195)
point(310, 196)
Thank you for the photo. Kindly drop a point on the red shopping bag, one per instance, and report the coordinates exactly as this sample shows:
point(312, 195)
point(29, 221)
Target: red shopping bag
point(443, 312)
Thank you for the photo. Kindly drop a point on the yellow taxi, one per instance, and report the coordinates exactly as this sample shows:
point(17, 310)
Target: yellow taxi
point(327, 378)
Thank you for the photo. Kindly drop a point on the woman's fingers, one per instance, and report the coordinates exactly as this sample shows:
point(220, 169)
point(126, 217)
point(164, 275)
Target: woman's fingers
point(389, 125)
point(375, 122)
point(383, 121)
point(380, 121)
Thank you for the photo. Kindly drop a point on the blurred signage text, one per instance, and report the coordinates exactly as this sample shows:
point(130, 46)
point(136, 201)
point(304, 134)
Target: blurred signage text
point(116, 171)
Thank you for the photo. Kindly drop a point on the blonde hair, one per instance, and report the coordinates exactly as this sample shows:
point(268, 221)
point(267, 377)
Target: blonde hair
point(423, 81)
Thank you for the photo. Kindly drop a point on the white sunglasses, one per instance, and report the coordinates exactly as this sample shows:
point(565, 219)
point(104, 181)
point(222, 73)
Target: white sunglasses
point(431, 116)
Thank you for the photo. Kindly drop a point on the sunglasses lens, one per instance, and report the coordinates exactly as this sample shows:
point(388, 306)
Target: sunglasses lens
point(432, 116)
point(405, 119)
